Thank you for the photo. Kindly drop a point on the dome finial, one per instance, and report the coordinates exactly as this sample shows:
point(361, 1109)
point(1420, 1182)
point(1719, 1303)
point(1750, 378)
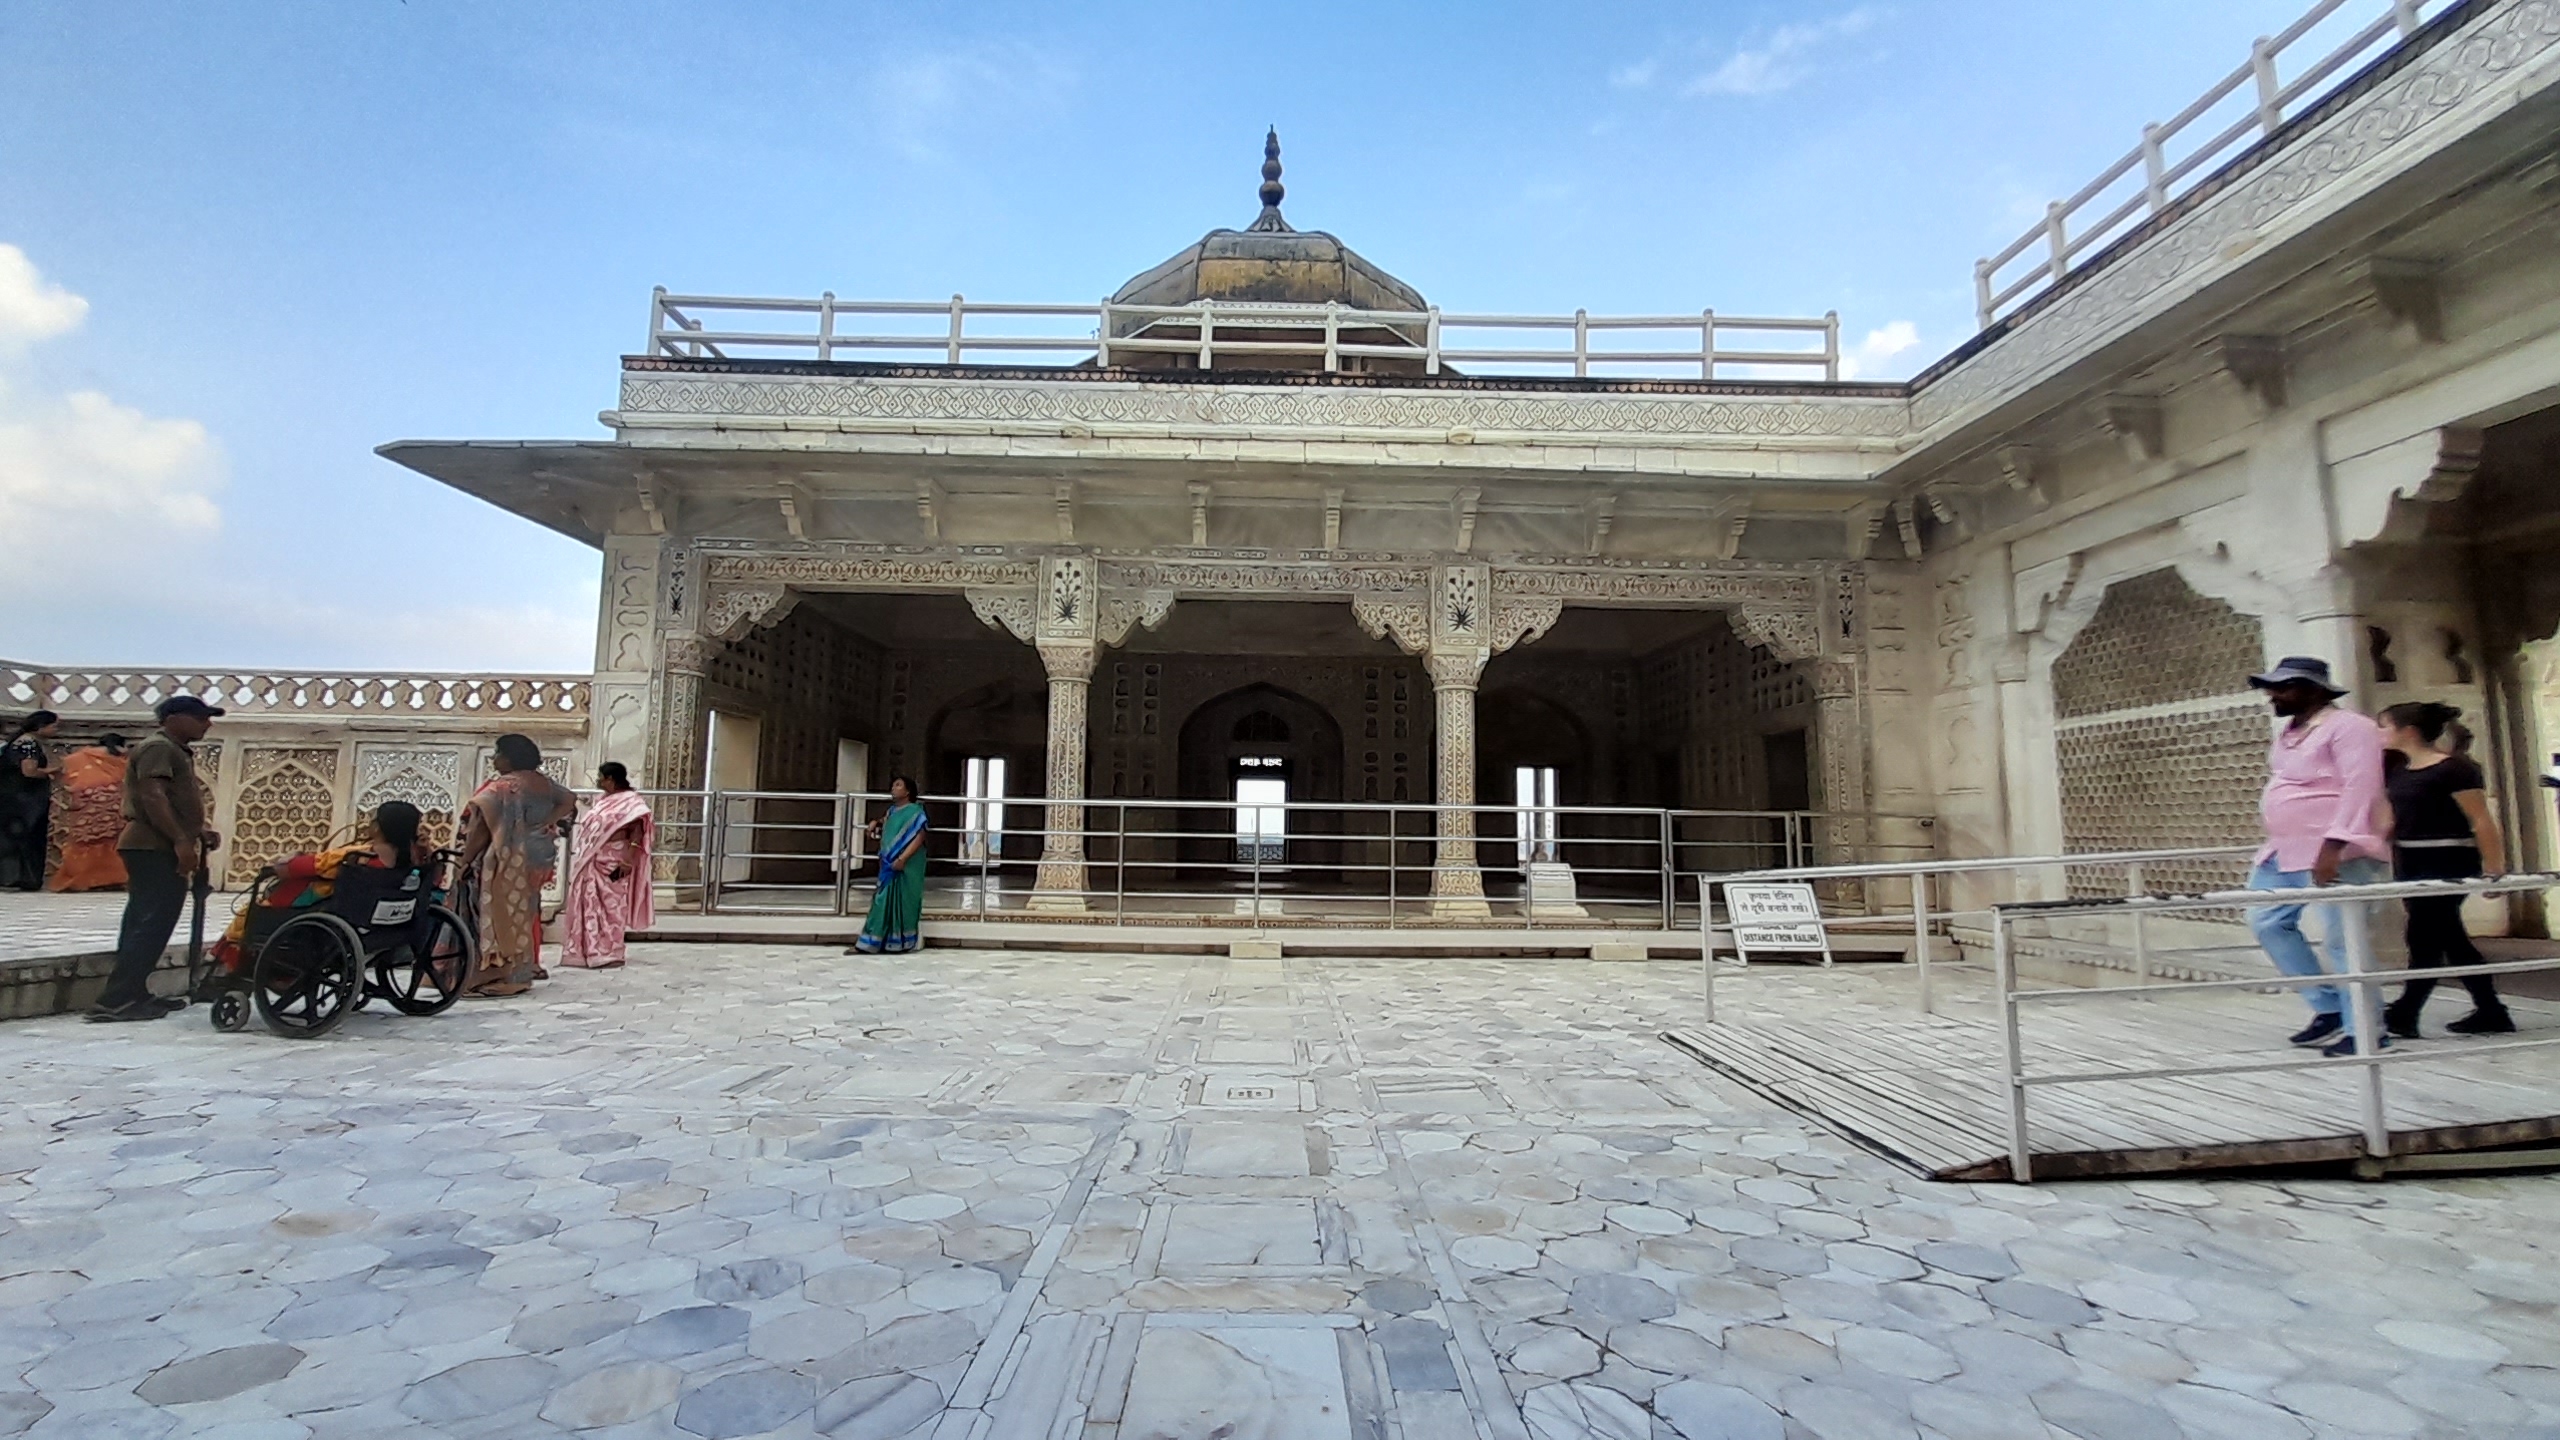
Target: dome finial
point(1272, 189)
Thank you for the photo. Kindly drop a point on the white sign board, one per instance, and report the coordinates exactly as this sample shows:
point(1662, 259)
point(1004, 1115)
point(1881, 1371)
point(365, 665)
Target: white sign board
point(1775, 917)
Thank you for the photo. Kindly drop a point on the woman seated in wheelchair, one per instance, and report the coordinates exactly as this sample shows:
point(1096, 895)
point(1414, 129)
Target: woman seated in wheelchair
point(300, 881)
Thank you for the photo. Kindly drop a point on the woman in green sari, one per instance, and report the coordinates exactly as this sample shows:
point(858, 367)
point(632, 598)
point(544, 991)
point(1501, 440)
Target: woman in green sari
point(894, 926)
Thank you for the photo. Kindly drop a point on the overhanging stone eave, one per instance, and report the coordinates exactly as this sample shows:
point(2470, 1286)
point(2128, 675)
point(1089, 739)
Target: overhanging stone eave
point(557, 484)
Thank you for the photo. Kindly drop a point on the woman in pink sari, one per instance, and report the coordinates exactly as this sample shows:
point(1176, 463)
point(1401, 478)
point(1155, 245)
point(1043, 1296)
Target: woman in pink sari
point(609, 879)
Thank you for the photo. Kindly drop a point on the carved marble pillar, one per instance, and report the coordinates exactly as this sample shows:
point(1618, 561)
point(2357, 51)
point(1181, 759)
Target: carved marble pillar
point(675, 749)
point(1062, 872)
point(1840, 737)
point(1457, 628)
point(1068, 618)
point(1457, 884)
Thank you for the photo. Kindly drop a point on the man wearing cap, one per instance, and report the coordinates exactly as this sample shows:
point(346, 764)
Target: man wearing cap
point(164, 843)
point(2324, 812)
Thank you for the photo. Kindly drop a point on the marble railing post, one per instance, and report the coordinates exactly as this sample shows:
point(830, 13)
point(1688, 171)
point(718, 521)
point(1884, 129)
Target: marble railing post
point(1062, 870)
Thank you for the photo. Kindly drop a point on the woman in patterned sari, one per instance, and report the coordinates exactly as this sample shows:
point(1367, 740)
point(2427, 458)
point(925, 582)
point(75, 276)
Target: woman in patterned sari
point(895, 925)
point(92, 817)
point(609, 881)
point(511, 841)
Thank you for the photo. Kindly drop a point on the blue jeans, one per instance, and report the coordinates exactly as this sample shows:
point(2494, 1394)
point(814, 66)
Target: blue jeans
point(2279, 927)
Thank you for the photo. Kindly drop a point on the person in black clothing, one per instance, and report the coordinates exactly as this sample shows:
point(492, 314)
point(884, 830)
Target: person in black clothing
point(2441, 830)
point(26, 800)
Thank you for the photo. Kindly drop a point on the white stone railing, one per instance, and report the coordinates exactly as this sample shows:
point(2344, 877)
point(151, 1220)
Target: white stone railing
point(316, 694)
point(2148, 180)
point(938, 332)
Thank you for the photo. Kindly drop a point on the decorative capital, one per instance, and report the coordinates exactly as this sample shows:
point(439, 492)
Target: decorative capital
point(1067, 659)
point(689, 654)
point(1835, 679)
point(1456, 669)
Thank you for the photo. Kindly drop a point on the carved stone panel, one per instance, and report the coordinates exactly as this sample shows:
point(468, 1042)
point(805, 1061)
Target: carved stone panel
point(288, 803)
point(429, 777)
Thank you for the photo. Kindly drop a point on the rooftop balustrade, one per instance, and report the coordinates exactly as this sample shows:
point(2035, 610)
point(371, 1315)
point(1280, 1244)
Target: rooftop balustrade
point(2250, 105)
point(1705, 346)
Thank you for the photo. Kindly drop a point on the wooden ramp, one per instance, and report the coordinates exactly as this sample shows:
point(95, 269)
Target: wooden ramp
point(1926, 1091)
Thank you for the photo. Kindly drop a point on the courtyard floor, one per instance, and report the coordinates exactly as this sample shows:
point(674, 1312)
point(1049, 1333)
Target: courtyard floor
point(745, 1190)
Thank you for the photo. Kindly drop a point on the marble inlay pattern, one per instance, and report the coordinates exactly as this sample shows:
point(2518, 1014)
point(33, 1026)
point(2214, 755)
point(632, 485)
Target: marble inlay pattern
point(749, 1190)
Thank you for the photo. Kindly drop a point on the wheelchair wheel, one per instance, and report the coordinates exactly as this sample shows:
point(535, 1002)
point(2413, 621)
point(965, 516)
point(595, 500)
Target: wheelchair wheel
point(426, 975)
point(230, 1010)
point(307, 975)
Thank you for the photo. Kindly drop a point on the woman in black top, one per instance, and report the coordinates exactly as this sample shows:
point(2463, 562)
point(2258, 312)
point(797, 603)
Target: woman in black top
point(26, 800)
point(2441, 829)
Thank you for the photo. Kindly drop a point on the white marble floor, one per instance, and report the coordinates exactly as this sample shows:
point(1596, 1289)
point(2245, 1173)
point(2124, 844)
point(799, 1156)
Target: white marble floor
point(749, 1190)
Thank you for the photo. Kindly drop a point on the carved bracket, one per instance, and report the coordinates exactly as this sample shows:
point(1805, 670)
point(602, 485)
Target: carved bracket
point(736, 609)
point(1518, 619)
point(2412, 294)
point(1786, 634)
point(2018, 466)
point(1123, 610)
point(2257, 363)
point(1017, 612)
point(1407, 622)
point(2135, 421)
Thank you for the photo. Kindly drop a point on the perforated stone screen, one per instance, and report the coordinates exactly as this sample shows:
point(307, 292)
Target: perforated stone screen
point(2158, 742)
point(2155, 641)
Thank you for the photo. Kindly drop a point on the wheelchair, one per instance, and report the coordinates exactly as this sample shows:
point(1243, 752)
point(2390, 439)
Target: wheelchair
point(380, 934)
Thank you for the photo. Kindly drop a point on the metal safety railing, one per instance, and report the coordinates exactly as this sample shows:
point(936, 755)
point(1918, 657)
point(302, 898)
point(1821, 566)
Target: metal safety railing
point(2345, 904)
point(1157, 861)
point(1333, 337)
point(2254, 101)
point(1926, 914)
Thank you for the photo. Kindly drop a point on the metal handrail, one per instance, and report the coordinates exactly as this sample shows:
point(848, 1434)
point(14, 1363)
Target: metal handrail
point(2347, 908)
point(1636, 864)
point(680, 328)
point(2165, 180)
point(1924, 917)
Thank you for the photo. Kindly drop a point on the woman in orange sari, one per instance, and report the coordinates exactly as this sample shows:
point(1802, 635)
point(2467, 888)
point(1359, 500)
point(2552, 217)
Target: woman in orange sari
point(91, 818)
point(511, 842)
point(609, 880)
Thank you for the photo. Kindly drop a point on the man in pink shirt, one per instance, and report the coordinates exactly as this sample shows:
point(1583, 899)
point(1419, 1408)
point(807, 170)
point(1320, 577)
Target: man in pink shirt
point(2324, 812)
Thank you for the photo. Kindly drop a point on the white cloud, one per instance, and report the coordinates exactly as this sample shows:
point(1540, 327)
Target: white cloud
point(90, 490)
point(920, 100)
point(1636, 76)
point(1871, 354)
point(33, 308)
point(1782, 60)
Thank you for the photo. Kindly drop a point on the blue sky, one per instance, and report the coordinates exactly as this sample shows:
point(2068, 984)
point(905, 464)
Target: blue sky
point(241, 245)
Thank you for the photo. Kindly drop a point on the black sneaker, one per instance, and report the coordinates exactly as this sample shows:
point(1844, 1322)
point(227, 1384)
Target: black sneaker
point(2485, 1022)
point(131, 1010)
point(2346, 1045)
point(2403, 1023)
point(2322, 1026)
point(170, 1004)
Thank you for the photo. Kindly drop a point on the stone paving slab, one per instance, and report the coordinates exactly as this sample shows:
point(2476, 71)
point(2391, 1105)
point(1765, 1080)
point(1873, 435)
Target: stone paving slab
point(759, 1190)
